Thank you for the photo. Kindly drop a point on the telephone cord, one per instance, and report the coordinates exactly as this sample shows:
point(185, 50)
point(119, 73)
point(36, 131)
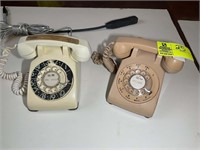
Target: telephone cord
point(25, 29)
point(22, 29)
point(19, 86)
point(105, 59)
point(97, 58)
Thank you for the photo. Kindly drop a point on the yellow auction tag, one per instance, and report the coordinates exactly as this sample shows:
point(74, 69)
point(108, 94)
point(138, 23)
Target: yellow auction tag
point(173, 49)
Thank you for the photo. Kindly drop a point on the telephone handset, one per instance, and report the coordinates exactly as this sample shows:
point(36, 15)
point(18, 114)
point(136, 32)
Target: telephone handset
point(53, 76)
point(137, 83)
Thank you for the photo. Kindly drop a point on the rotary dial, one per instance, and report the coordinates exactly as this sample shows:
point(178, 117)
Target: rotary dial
point(137, 83)
point(51, 79)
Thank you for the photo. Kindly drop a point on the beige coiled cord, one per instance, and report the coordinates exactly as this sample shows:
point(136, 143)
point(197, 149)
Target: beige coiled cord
point(105, 59)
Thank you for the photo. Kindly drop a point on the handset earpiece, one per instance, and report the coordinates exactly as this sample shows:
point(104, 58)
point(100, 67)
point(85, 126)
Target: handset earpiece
point(125, 45)
point(122, 49)
point(80, 52)
point(171, 65)
point(26, 49)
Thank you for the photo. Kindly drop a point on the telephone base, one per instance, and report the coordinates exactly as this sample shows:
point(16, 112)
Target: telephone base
point(33, 110)
point(74, 108)
point(109, 102)
point(137, 85)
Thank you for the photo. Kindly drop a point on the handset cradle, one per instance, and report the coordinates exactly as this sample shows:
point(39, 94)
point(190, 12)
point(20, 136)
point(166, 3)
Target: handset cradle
point(124, 46)
point(27, 45)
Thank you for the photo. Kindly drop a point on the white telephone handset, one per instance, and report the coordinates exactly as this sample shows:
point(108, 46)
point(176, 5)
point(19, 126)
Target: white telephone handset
point(53, 76)
point(27, 45)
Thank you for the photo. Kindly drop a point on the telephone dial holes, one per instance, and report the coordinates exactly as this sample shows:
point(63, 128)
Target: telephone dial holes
point(137, 71)
point(59, 71)
point(39, 81)
point(130, 90)
point(135, 92)
point(53, 90)
point(140, 83)
point(39, 76)
point(47, 68)
point(51, 79)
point(141, 92)
point(41, 73)
point(126, 81)
point(127, 76)
point(59, 87)
point(147, 77)
point(127, 87)
point(54, 68)
point(143, 73)
point(47, 90)
point(41, 86)
point(132, 72)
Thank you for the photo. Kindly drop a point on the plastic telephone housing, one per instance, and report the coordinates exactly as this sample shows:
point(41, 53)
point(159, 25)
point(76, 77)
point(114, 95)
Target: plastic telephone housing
point(53, 81)
point(80, 48)
point(138, 81)
point(124, 45)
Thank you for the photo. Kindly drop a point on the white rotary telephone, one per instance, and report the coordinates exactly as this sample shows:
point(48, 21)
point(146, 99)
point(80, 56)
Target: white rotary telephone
point(53, 79)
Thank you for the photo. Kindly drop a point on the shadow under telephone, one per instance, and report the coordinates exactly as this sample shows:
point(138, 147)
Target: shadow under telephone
point(138, 80)
point(53, 79)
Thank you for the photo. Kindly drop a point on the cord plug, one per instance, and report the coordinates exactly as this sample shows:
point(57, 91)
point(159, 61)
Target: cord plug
point(121, 22)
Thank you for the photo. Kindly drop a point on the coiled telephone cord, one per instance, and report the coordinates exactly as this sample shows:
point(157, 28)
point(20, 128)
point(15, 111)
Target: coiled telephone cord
point(19, 86)
point(105, 58)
